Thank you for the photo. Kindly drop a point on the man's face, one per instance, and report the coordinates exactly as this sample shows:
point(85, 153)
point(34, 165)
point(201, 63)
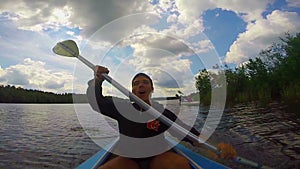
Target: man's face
point(141, 87)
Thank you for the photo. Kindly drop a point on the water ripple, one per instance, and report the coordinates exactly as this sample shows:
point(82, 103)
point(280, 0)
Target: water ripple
point(50, 136)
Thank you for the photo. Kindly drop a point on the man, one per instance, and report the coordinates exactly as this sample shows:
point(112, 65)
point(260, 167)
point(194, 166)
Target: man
point(133, 123)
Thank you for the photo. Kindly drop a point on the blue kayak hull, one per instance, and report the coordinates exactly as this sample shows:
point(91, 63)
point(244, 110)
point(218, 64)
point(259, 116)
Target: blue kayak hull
point(196, 160)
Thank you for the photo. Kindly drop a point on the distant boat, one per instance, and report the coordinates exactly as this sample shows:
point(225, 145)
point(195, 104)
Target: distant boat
point(188, 100)
point(177, 101)
point(192, 103)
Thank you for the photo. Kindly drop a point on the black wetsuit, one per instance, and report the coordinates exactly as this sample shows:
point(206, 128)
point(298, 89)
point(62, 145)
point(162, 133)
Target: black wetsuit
point(133, 121)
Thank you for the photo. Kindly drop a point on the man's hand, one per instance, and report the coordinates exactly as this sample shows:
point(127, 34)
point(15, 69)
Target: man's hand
point(98, 70)
point(227, 151)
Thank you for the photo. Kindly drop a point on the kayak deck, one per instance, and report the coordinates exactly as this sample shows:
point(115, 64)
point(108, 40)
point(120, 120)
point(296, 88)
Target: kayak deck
point(196, 161)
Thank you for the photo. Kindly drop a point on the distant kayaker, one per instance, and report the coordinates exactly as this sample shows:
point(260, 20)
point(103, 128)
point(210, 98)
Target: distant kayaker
point(134, 123)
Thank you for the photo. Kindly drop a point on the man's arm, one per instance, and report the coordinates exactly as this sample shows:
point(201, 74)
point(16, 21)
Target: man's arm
point(100, 103)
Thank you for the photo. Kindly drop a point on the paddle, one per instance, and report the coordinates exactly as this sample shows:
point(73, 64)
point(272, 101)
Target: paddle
point(69, 48)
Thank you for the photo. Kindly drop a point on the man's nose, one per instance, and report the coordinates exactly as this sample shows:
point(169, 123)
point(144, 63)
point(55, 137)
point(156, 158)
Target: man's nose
point(140, 84)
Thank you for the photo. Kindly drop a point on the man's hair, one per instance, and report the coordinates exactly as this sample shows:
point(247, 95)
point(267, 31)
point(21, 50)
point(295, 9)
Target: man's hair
point(144, 75)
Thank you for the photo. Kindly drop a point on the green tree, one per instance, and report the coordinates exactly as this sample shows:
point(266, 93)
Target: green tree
point(203, 85)
point(273, 75)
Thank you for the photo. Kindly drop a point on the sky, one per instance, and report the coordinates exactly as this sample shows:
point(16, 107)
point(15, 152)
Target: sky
point(171, 40)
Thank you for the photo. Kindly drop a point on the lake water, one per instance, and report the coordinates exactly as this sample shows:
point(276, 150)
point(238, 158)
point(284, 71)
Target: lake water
point(51, 136)
point(42, 136)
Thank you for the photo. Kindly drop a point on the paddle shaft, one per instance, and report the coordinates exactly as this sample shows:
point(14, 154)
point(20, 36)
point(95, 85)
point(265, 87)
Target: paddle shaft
point(182, 131)
point(250, 163)
point(174, 126)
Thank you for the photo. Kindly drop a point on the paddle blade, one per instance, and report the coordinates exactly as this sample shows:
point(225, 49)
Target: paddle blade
point(66, 48)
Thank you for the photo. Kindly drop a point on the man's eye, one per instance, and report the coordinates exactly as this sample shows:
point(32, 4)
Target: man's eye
point(146, 82)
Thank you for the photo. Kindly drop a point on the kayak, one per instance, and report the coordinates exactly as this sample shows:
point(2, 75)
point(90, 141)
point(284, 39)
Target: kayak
point(196, 161)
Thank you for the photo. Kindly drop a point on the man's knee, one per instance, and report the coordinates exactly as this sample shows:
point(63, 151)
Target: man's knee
point(119, 163)
point(170, 160)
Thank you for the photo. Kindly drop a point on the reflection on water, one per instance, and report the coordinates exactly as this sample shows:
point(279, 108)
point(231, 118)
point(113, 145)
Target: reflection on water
point(266, 135)
point(42, 136)
point(50, 136)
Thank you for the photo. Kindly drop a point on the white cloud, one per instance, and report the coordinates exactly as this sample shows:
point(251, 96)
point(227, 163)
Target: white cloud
point(93, 15)
point(192, 10)
point(203, 46)
point(30, 16)
point(155, 50)
point(165, 5)
point(37, 16)
point(160, 55)
point(172, 18)
point(88, 15)
point(33, 74)
point(262, 34)
point(124, 27)
point(248, 10)
point(45, 23)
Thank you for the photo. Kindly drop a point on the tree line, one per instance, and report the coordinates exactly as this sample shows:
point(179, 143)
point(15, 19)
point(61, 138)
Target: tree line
point(273, 75)
point(12, 94)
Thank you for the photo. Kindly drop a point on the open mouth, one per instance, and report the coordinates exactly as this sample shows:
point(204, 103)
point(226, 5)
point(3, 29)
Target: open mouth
point(142, 92)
